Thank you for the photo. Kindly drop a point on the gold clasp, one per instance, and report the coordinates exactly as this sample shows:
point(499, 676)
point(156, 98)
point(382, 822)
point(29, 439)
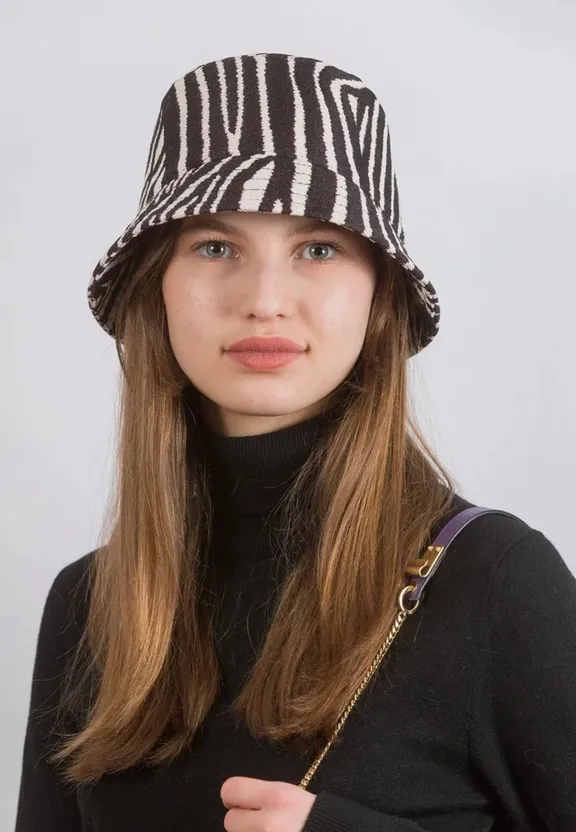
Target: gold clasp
point(423, 566)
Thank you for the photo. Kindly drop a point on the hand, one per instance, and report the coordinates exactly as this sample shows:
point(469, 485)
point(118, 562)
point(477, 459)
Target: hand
point(264, 806)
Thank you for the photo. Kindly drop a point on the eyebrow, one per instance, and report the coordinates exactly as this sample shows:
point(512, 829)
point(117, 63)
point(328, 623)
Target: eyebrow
point(209, 222)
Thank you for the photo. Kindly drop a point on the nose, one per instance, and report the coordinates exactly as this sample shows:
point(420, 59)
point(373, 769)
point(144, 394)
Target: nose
point(266, 287)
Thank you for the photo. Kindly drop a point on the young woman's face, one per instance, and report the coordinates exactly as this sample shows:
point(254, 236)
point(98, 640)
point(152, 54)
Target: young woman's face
point(236, 275)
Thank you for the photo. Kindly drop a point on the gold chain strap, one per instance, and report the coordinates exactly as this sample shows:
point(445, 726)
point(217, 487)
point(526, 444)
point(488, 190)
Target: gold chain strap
point(420, 567)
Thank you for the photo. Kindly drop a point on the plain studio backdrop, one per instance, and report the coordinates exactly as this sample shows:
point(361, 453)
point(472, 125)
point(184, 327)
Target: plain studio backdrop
point(480, 98)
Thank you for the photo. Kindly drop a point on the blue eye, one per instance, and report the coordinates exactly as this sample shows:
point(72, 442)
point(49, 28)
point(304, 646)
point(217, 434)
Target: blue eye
point(320, 251)
point(213, 249)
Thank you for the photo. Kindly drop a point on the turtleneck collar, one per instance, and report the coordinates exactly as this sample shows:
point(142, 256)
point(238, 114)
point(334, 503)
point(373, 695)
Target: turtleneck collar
point(250, 474)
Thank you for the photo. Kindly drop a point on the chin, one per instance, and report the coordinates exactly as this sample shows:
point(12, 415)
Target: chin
point(263, 405)
point(262, 396)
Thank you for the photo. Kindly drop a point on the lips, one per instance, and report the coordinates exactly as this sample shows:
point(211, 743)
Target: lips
point(272, 344)
point(258, 353)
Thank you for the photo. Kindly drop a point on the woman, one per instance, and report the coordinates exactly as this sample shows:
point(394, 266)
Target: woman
point(258, 574)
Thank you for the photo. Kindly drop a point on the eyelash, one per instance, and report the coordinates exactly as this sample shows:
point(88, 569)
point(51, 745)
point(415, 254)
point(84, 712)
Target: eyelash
point(320, 242)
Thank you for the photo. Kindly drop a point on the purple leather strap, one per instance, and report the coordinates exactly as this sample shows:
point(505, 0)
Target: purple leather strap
point(448, 533)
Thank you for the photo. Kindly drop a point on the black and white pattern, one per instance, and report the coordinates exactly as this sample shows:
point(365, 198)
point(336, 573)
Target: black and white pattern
point(273, 133)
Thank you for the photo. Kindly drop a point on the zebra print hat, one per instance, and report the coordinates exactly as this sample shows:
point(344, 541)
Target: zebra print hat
point(273, 133)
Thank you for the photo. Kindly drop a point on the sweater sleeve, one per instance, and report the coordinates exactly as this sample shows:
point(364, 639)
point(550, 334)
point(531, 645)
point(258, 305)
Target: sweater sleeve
point(523, 707)
point(331, 813)
point(45, 803)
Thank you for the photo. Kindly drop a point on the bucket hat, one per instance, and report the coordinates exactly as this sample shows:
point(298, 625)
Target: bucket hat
point(274, 133)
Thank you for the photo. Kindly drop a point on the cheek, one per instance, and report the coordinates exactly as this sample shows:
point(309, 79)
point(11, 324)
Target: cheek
point(192, 329)
point(188, 309)
point(344, 311)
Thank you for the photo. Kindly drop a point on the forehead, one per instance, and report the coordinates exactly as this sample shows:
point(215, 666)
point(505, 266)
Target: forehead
point(240, 222)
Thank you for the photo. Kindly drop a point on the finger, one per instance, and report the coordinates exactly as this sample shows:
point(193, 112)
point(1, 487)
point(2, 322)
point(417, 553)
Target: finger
point(244, 792)
point(243, 820)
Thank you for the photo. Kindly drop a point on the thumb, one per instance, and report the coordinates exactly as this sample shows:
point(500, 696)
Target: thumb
point(245, 792)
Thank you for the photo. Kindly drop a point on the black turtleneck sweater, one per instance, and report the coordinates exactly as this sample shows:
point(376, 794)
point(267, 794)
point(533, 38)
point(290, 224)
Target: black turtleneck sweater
point(469, 726)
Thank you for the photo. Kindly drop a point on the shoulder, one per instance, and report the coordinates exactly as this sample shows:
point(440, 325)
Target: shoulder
point(71, 577)
point(506, 554)
point(66, 602)
point(487, 536)
point(497, 529)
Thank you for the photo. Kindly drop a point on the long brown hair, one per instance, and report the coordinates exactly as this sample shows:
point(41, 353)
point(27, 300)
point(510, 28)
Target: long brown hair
point(371, 491)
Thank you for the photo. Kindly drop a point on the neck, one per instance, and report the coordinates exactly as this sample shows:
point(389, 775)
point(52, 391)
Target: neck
point(251, 474)
point(228, 423)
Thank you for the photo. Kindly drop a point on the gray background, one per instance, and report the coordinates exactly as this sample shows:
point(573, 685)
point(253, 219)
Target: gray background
point(480, 96)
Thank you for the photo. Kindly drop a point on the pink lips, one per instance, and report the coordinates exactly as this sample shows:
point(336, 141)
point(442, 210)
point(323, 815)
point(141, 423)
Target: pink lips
point(265, 353)
point(260, 344)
